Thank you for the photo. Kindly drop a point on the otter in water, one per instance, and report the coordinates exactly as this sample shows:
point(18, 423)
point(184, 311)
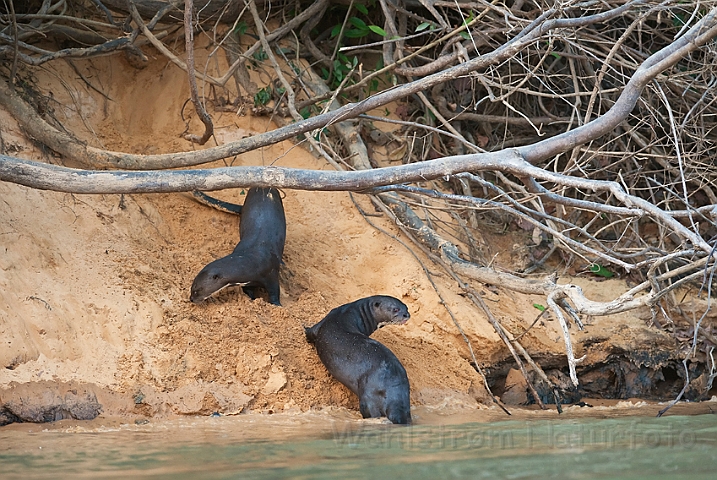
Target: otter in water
point(256, 259)
point(363, 365)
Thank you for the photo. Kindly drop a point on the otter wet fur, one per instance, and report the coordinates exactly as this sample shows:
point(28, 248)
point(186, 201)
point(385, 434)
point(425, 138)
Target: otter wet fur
point(256, 259)
point(363, 365)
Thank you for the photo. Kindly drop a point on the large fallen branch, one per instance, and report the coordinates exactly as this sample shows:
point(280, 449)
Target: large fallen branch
point(52, 177)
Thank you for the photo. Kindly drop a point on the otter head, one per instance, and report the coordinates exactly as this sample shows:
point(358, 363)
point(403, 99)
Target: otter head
point(211, 279)
point(388, 311)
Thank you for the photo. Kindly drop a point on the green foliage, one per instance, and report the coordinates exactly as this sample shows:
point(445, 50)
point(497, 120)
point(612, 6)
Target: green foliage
point(241, 28)
point(377, 30)
point(263, 96)
point(260, 55)
point(601, 271)
point(678, 19)
point(342, 66)
point(358, 25)
point(295, 68)
point(539, 307)
point(469, 19)
point(357, 28)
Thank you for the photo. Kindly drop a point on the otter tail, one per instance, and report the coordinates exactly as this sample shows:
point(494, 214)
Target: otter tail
point(220, 205)
point(310, 334)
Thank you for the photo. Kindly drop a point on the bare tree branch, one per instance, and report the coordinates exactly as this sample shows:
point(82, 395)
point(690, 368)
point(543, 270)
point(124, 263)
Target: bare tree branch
point(189, 47)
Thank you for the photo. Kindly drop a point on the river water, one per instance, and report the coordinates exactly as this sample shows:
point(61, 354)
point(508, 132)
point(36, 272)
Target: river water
point(338, 445)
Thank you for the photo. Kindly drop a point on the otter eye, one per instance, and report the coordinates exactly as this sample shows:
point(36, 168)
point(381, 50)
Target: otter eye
point(376, 304)
point(215, 277)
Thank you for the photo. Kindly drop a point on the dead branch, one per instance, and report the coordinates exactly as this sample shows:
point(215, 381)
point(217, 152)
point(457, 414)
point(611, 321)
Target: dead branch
point(198, 106)
point(212, 10)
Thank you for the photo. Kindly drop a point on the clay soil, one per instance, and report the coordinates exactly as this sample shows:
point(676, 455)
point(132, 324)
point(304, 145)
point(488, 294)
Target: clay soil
point(94, 289)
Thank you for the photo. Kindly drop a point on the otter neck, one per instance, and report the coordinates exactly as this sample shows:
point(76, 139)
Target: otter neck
point(368, 323)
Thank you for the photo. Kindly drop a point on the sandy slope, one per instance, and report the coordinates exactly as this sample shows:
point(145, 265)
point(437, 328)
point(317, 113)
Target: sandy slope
point(94, 289)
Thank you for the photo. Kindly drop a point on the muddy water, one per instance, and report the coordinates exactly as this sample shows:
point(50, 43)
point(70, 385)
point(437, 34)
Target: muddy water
point(338, 445)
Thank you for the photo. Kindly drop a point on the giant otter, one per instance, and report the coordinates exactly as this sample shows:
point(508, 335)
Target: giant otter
point(256, 259)
point(363, 365)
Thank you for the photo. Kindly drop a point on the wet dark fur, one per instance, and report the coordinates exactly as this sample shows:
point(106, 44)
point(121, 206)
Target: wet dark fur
point(256, 259)
point(365, 366)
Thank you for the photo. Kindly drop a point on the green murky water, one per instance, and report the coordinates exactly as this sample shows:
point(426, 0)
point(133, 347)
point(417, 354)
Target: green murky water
point(316, 446)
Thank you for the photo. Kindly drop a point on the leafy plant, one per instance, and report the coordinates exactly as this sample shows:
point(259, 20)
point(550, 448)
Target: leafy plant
point(354, 28)
point(468, 20)
point(357, 28)
point(263, 96)
point(342, 66)
point(260, 55)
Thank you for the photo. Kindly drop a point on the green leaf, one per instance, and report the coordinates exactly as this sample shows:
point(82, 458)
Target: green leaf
point(465, 35)
point(422, 26)
point(263, 96)
point(356, 33)
point(260, 55)
point(601, 271)
point(335, 31)
point(361, 8)
point(539, 307)
point(377, 30)
point(357, 22)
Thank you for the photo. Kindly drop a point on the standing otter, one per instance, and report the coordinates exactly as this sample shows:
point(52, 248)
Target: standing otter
point(363, 365)
point(256, 258)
